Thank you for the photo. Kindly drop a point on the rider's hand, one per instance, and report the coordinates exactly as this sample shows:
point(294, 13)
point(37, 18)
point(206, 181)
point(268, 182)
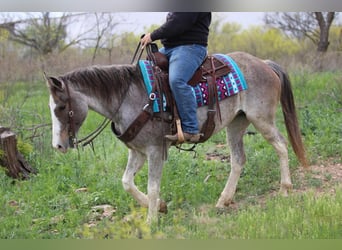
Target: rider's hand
point(145, 40)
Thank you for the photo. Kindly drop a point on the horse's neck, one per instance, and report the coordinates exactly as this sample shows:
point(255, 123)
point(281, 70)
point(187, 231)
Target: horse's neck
point(98, 106)
point(115, 109)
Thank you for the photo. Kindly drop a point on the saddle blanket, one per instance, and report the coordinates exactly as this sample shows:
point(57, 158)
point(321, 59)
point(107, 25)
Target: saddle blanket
point(227, 85)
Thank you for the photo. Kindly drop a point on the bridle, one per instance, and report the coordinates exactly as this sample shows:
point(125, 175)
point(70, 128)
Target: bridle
point(73, 141)
point(71, 129)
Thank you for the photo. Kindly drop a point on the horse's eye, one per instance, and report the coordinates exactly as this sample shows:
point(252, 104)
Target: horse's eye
point(62, 107)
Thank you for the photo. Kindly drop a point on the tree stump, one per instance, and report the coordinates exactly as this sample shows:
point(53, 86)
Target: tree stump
point(10, 158)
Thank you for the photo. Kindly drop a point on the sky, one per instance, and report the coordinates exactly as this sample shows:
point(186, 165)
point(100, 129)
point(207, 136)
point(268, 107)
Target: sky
point(137, 21)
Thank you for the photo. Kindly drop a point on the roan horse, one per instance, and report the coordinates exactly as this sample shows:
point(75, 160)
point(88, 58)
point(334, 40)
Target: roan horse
point(118, 93)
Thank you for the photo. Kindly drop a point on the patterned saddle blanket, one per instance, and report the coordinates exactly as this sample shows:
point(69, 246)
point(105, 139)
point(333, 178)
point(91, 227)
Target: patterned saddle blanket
point(227, 85)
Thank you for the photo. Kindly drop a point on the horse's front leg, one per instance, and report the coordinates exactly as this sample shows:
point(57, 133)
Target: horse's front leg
point(135, 162)
point(155, 167)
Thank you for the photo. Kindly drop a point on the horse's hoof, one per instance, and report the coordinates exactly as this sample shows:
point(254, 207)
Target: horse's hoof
point(163, 207)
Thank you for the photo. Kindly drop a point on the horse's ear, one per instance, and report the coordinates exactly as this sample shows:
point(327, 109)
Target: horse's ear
point(54, 83)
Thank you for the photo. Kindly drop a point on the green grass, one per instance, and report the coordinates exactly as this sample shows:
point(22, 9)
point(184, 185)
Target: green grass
point(296, 217)
point(319, 100)
point(47, 205)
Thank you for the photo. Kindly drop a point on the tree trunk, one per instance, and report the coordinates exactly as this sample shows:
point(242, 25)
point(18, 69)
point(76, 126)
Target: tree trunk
point(324, 25)
point(10, 158)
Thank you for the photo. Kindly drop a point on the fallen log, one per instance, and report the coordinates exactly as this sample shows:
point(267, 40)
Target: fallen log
point(10, 158)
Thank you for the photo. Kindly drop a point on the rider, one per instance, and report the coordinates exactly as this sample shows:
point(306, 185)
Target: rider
point(184, 36)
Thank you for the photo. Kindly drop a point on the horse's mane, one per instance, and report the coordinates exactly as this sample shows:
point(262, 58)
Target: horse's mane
point(105, 82)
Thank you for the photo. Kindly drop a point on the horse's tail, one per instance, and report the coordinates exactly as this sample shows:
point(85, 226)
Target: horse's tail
point(289, 112)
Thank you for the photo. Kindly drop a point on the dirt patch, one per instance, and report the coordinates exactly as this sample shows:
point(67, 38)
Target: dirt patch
point(322, 178)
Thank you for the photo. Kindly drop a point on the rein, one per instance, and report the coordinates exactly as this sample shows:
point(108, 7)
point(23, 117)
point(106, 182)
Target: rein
point(135, 58)
point(89, 138)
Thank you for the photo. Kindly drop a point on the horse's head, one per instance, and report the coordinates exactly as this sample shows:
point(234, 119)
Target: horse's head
point(68, 111)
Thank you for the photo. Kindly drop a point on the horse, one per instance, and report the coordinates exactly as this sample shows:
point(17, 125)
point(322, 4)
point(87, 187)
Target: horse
point(117, 92)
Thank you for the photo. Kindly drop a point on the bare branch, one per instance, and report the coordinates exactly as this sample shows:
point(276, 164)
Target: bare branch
point(313, 25)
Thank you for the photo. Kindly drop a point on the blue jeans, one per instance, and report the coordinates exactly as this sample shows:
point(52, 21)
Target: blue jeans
point(184, 60)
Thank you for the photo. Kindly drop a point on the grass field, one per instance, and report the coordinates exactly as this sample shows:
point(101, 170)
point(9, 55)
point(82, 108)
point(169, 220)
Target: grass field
point(62, 200)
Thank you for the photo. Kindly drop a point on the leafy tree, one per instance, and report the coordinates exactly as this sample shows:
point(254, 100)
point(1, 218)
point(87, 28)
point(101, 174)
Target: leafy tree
point(4, 34)
point(221, 37)
point(265, 43)
point(335, 38)
point(260, 41)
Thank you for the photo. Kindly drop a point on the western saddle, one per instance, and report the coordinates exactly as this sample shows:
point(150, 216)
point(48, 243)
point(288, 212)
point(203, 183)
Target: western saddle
point(211, 69)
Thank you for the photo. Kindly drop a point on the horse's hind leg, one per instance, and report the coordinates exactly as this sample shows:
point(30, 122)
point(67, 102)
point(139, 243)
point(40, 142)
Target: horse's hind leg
point(135, 162)
point(271, 133)
point(235, 132)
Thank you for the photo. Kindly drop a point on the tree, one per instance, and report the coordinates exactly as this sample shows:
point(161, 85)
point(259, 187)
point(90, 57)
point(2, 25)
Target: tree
point(99, 32)
point(324, 23)
point(265, 43)
point(43, 34)
point(221, 37)
point(313, 25)
point(47, 32)
point(10, 158)
point(104, 27)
